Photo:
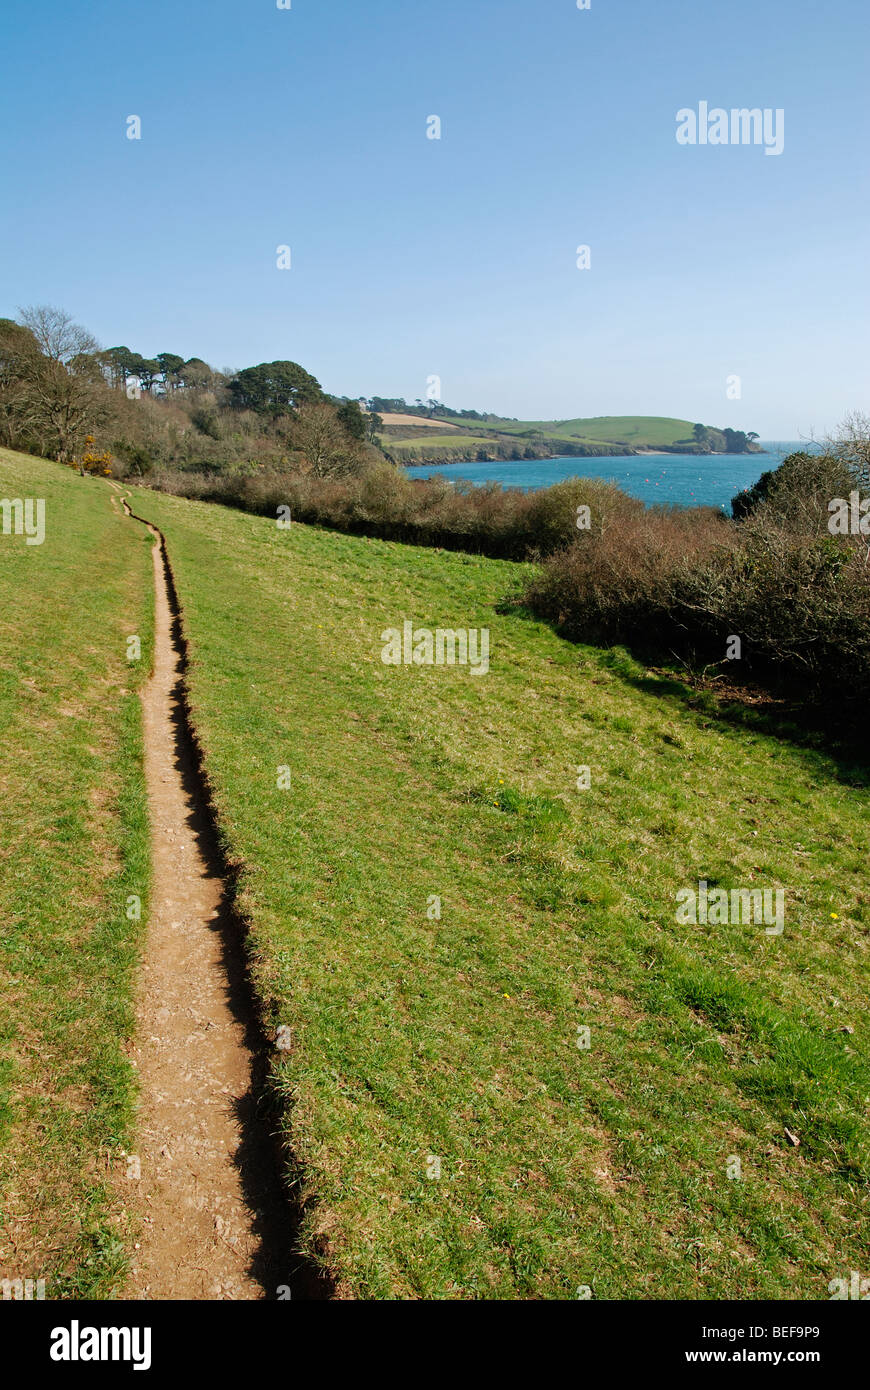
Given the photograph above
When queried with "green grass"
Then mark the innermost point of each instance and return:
(74, 846)
(432, 445)
(652, 431)
(456, 1038)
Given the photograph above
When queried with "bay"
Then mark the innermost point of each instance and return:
(709, 480)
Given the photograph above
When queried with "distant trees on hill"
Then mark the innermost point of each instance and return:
(397, 405)
(60, 393)
(167, 371)
(723, 441)
(57, 386)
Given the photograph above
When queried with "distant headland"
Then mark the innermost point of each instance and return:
(435, 434)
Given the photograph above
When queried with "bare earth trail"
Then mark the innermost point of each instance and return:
(215, 1222)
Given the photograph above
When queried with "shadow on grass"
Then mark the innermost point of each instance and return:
(808, 729)
(837, 734)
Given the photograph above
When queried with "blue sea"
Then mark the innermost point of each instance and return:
(709, 480)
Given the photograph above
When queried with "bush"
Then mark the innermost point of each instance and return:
(553, 512)
(684, 582)
(796, 495)
(383, 501)
(623, 582)
(206, 421)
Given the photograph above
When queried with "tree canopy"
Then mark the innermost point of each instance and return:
(274, 387)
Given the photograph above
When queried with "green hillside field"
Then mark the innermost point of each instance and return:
(513, 1073)
(73, 849)
(640, 431)
(451, 1133)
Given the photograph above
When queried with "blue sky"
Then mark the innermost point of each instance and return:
(457, 257)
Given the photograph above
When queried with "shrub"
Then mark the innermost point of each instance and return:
(622, 582)
(796, 495)
(381, 500)
(553, 511)
(206, 421)
(683, 582)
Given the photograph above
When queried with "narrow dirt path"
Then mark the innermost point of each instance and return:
(215, 1223)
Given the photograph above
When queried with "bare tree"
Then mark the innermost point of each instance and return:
(60, 338)
(851, 446)
(316, 433)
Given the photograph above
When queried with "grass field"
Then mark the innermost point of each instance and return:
(454, 1136)
(408, 448)
(640, 431)
(73, 847)
(394, 421)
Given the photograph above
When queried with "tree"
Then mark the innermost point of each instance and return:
(195, 375)
(274, 388)
(735, 441)
(16, 343)
(170, 364)
(59, 337)
(700, 433)
(54, 390)
(352, 420)
(17, 347)
(318, 435)
(147, 369)
(375, 424)
(121, 364)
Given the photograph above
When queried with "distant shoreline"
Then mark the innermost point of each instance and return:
(435, 462)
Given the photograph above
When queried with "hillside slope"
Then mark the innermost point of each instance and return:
(73, 848)
(437, 912)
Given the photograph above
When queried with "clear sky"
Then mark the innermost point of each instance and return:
(456, 257)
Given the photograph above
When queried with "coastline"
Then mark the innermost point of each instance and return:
(436, 461)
